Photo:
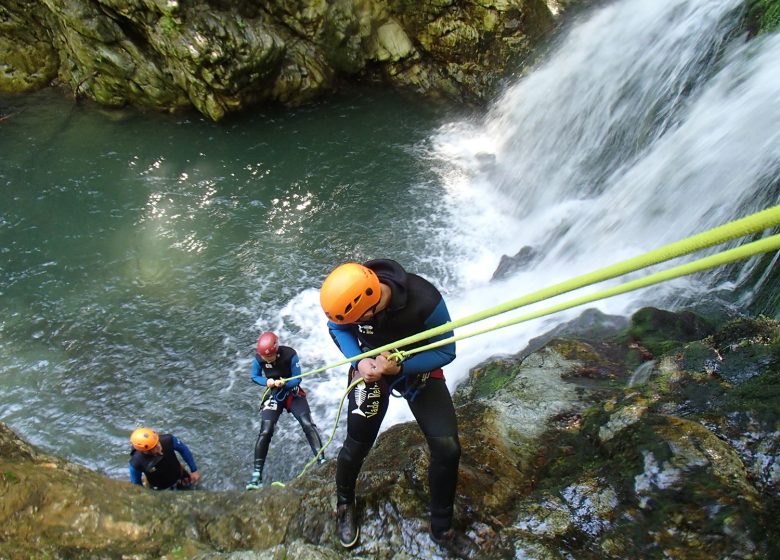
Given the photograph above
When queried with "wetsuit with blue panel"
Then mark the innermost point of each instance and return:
(165, 471)
(291, 397)
(415, 306)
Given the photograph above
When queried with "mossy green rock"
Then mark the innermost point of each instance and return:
(661, 331)
(554, 465)
(223, 56)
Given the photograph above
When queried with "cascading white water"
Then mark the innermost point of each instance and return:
(648, 122)
(166, 253)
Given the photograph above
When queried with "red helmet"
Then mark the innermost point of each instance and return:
(267, 344)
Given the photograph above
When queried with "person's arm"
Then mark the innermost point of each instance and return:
(295, 369)
(257, 373)
(186, 454)
(135, 475)
(435, 357)
(345, 339)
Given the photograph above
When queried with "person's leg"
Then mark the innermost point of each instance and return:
(269, 416)
(300, 409)
(435, 415)
(367, 408)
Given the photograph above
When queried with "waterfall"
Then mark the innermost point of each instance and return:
(646, 123)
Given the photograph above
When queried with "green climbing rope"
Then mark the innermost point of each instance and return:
(754, 223)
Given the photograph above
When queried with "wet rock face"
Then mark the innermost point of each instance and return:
(690, 455)
(224, 55)
(684, 464)
(28, 60)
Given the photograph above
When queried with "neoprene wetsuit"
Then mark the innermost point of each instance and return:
(291, 397)
(162, 471)
(415, 306)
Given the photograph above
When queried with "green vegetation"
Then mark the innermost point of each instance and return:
(662, 332)
(167, 25)
(760, 394)
(493, 377)
(763, 16)
(10, 476)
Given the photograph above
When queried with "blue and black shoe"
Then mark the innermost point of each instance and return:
(257, 481)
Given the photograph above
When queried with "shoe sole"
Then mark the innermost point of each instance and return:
(354, 541)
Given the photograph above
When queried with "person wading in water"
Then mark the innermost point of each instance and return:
(154, 456)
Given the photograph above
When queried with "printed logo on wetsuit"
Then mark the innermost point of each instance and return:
(366, 329)
(369, 397)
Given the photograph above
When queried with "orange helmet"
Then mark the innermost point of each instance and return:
(348, 292)
(144, 439)
(267, 344)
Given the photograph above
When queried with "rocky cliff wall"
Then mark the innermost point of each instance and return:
(221, 56)
(607, 444)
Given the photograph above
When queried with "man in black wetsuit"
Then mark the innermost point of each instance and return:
(154, 456)
(272, 365)
(369, 306)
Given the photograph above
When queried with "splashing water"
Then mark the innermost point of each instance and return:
(140, 302)
(649, 122)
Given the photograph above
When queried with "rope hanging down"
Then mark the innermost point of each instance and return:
(745, 226)
(755, 223)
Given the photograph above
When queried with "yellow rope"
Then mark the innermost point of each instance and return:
(725, 257)
(351, 386)
(754, 223)
(749, 225)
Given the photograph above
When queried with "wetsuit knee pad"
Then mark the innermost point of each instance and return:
(348, 466)
(445, 449)
(354, 451)
(306, 422)
(266, 428)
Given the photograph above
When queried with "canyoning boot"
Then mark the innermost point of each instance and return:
(455, 542)
(347, 527)
(257, 481)
(321, 459)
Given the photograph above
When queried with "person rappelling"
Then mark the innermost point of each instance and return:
(272, 368)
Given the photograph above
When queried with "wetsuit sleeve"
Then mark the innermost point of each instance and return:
(257, 373)
(345, 339)
(186, 454)
(295, 369)
(435, 357)
(135, 475)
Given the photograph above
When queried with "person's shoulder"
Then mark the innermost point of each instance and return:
(418, 283)
(387, 269)
(287, 353)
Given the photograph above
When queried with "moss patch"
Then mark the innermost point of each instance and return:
(763, 16)
(493, 377)
(662, 332)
